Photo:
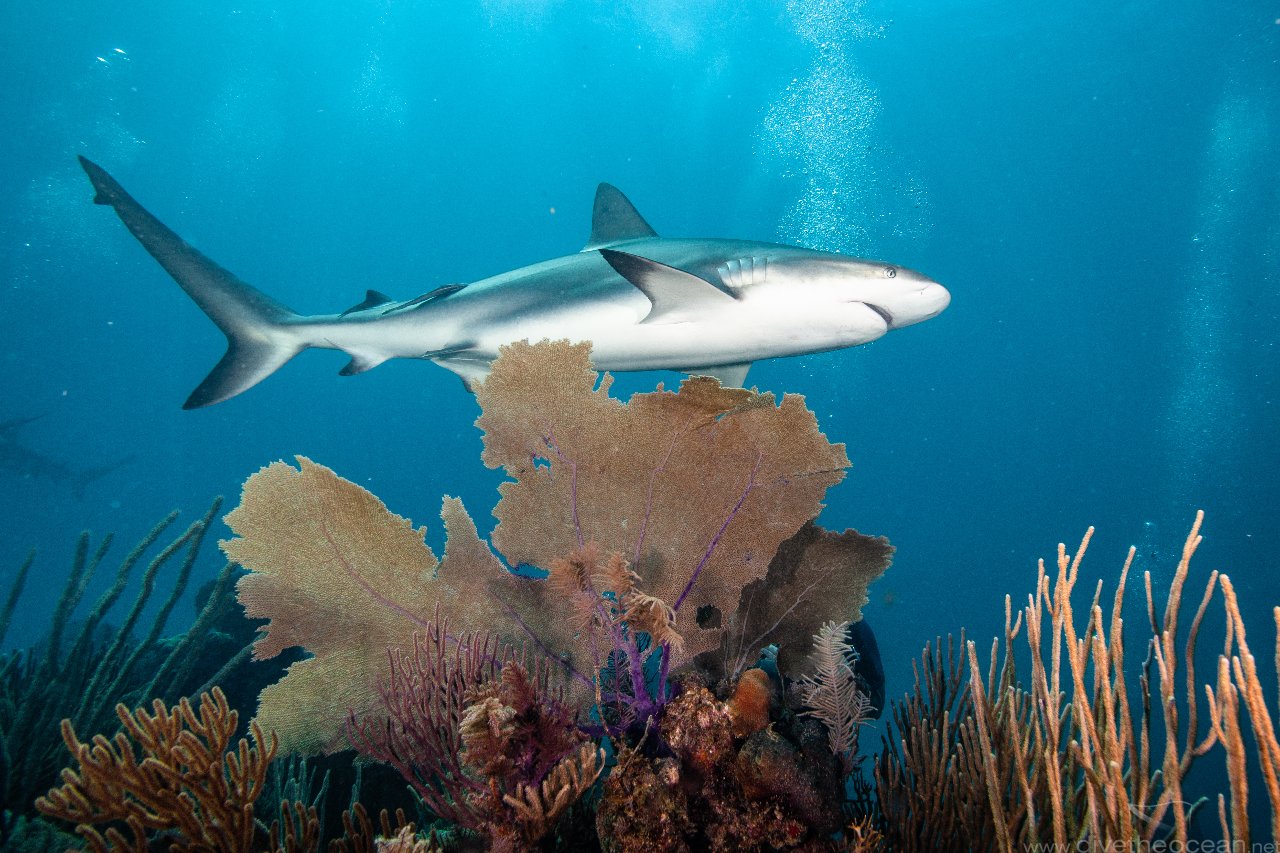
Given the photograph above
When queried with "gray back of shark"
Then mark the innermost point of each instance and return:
(706, 306)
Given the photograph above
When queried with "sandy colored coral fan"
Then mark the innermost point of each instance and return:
(338, 574)
(816, 576)
(685, 497)
(696, 489)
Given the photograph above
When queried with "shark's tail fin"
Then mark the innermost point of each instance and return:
(83, 479)
(261, 333)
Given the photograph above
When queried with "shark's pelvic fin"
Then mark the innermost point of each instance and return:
(677, 296)
(259, 339)
(615, 219)
(729, 375)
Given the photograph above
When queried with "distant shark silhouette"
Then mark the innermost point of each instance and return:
(18, 460)
(705, 306)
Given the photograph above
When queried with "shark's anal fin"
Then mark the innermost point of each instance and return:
(677, 296)
(614, 219)
(729, 375)
(372, 299)
(360, 362)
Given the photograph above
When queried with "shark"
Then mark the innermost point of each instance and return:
(707, 306)
(21, 462)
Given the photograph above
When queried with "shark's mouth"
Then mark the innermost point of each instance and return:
(883, 312)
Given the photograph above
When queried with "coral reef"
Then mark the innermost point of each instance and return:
(675, 533)
(656, 519)
(1083, 756)
(658, 653)
(712, 789)
(171, 770)
(83, 667)
(484, 741)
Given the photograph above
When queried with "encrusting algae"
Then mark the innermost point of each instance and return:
(670, 668)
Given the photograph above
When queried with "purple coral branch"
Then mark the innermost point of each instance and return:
(355, 575)
(648, 500)
(420, 696)
(715, 540)
(550, 440)
(745, 649)
(663, 670)
(542, 647)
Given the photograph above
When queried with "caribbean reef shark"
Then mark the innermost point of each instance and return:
(24, 463)
(705, 306)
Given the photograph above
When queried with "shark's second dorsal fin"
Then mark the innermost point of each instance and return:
(614, 219)
(372, 299)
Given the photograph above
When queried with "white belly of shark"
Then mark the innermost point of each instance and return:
(706, 306)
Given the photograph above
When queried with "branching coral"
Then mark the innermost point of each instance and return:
(927, 797)
(1238, 679)
(537, 807)
(170, 771)
(81, 674)
(1079, 756)
(361, 836)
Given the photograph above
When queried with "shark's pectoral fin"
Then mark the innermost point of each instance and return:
(677, 296)
(729, 375)
(372, 299)
(614, 219)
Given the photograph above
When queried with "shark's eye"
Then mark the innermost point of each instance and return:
(890, 272)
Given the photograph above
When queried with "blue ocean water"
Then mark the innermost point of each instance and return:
(1096, 184)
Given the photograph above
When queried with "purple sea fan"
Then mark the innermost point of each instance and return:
(480, 733)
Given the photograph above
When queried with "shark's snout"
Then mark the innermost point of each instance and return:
(908, 307)
(936, 295)
(919, 305)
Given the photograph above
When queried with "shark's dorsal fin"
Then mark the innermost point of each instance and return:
(372, 299)
(615, 219)
(677, 296)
